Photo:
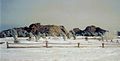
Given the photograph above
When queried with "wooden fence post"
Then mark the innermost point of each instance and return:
(46, 44)
(7, 45)
(78, 45)
(86, 38)
(103, 45)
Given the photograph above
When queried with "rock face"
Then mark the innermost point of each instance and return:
(35, 29)
(90, 31)
(77, 31)
(21, 32)
(48, 30)
(52, 30)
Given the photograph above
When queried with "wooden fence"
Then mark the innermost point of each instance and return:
(49, 45)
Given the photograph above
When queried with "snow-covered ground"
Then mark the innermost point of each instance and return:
(89, 53)
(60, 54)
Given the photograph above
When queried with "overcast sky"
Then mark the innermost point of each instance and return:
(70, 13)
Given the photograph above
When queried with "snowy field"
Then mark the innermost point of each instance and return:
(93, 51)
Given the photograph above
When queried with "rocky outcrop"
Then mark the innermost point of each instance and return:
(52, 30)
(77, 31)
(48, 30)
(35, 29)
(21, 32)
(90, 31)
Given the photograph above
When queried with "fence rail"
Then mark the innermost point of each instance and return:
(48, 45)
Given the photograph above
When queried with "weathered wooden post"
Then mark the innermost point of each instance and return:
(7, 45)
(78, 44)
(103, 45)
(86, 38)
(46, 44)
